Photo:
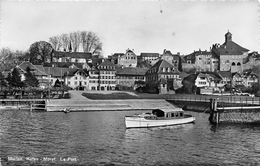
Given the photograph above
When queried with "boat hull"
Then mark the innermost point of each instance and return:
(141, 122)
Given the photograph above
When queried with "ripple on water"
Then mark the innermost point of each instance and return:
(100, 138)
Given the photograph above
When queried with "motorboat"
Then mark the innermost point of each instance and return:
(159, 117)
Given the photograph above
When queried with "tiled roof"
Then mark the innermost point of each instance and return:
(58, 71)
(96, 61)
(66, 64)
(85, 55)
(231, 48)
(225, 74)
(149, 54)
(131, 71)
(161, 64)
(215, 76)
(143, 64)
(38, 69)
(128, 50)
(183, 75)
(116, 55)
(106, 63)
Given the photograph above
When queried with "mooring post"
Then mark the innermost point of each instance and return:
(214, 113)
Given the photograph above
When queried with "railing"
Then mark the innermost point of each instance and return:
(221, 99)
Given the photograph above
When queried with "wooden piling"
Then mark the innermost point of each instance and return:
(214, 113)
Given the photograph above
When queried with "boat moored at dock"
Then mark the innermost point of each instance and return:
(159, 117)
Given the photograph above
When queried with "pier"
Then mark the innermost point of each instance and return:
(241, 114)
(22, 104)
(106, 105)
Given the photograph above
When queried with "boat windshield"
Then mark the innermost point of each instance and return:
(158, 113)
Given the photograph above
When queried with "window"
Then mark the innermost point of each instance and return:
(75, 82)
(76, 78)
(172, 114)
(68, 82)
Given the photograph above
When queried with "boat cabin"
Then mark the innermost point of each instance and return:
(168, 113)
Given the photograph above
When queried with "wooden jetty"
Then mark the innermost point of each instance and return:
(242, 114)
(30, 104)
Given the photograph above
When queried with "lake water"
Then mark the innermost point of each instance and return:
(100, 138)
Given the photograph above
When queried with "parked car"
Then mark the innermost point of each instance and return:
(245, 94)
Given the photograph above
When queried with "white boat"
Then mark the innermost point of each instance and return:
(159, 117)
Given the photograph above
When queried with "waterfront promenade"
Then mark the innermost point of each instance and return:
(81, 103)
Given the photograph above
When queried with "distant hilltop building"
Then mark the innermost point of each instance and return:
(230, 54)
(129, 59)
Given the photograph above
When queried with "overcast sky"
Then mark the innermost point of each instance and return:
(145, 26)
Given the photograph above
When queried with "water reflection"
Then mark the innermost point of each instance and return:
(101, 138)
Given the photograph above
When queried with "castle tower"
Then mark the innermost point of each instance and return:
(228, 36)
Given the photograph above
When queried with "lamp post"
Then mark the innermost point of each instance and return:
(49, 84)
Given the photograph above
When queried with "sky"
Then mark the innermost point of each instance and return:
(143, 26)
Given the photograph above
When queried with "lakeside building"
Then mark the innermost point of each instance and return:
(159, 73)
(127, 76)
(77, 79)
(107, 78)
(208, 80)
(231, 55)
(37, 70)
(246, 78)
(226, 77)
(57, 73)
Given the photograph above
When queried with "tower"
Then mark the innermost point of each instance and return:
(228, 36)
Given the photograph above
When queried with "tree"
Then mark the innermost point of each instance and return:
(2, 80)
(180, 65)
(39, 51)
(189, 84)
(9, 80)
(55, 42)
(75, 39)
(16, 79)
(91, 42)
(64, 40)
(30, 79)
(57, 83)
(9, 59)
